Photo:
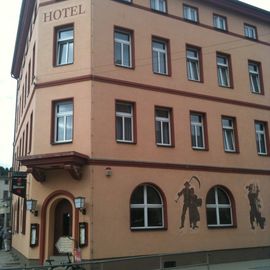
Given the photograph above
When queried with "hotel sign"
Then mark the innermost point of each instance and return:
(63, 13)
(18, 184)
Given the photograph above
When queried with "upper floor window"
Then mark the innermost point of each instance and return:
(229, 134)
(159, 5)
(262, 137)
(190, 13)
(163, 126)
(223, 69)
(198, 129)
(64, 46)
(160, 56)
(250, 31)
(254, 70)
(123, 48)
(219, 208)
(63, 121)
(146, 208)
(220, 22)
(124, 122)
(193, 63)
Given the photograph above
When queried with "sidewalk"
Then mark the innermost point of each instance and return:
(10, 260)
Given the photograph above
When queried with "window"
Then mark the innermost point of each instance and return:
(63, 130)
(159, 5)
(198, 130)
(218, 208)
(250, 31)
(124, 122)
(146, 208)
(190, 13)
(193, 63)
(261, 137)
(122, 48)
(160, 56)
(254, 70)
(65, 40)
(229, 134)
(220, 22)
(163, 126)
(223, 69)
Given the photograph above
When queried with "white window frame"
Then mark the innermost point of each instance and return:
(219, 206)
(159, 5)
(254, 75)
(64, 115)
(220, 22)
(258, 138)
(160, 52)
(190, 13)
(122, 43)
(226, 68)
(146, 206)
(163, 120)
(124, 116)
(196, 60)
(229, 130)
(198, 125)
(66, 41)
(250, 31)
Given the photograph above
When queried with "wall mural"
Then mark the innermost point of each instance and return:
(191, 202)
(255, 205)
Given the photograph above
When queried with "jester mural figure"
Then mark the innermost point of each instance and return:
(191, 202)
(255, 205)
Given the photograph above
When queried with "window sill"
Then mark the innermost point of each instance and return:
(191, 21)
(221, 227)
(62, 65)
(60, 143)
(126, 67)
(263, 155)
(148, 229)
(200, 149)
(221, 30)
(232, 152)
(165, 145)
(196, 81)
(162, 74)
(126, 142)
(159, 11)
(257, 93)
(227, 87)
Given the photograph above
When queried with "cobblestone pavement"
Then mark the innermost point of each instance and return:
(8, 260)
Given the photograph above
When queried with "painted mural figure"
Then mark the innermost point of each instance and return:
(255, 205)
(191, 202)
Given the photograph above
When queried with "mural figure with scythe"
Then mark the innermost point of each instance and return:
(191, 202)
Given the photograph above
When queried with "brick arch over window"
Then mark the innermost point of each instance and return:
(141, 208)
(43, 221)
(220, 208)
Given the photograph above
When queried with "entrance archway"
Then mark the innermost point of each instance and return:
(57, 199)
(62, 221)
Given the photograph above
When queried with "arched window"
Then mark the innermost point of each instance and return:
(146, 208)
(219, 208)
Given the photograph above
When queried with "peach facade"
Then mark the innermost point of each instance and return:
(93, 84)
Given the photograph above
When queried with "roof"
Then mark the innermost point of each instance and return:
(28, 6)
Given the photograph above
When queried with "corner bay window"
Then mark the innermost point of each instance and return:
(254, 77)
(63, 122)
(261, 137)
(146, 208)
(163, 126)
(124, 122)
(122, 48)
(160, 56)
(218, 208)
(197, 130)
(64, 47)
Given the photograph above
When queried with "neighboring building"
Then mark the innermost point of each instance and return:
(157, 112)
(5, 201)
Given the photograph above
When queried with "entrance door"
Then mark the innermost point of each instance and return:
(62, 221)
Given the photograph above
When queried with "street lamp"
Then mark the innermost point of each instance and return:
(31, 205)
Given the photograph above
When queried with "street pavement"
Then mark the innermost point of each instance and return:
(11, 260)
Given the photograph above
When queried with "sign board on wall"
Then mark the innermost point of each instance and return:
(18, 184)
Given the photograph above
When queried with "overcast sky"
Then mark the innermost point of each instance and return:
(9, 17)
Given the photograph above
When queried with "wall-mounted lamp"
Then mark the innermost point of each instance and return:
(31, 205)
(108, 171)
(80, 204)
